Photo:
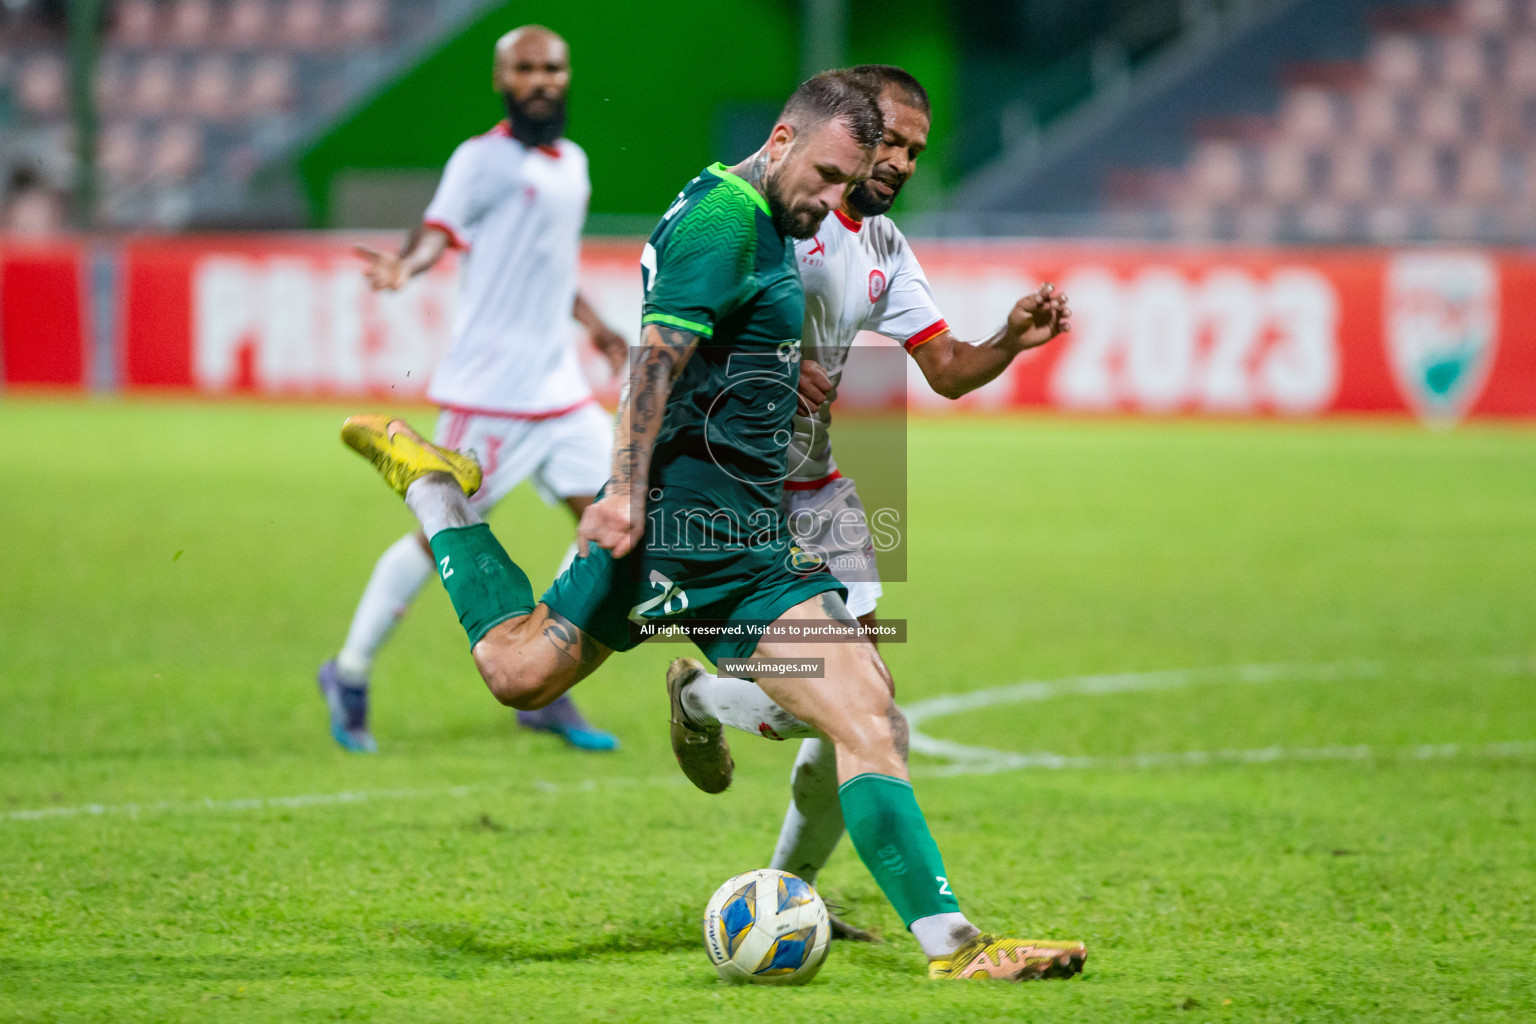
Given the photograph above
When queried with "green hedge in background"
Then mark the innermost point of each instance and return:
(659, 90)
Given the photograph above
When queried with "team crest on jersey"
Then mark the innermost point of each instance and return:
(876, 285)
(804, 562)
(1442, 330)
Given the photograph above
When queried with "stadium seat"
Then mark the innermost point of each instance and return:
(1257, 223)
(1353, 174)
(118, 151)
(1456, 220)
(1464, 61)
(1520, 63)
(1376, 115)
(248, 23)
(42, 86)
(1416, 174)
(1218, 173)
(1480, 175)
(1309, 114)
(210, 93)
(1286, 174)
(361, 21)
(270, 85)
(153, 92)
(1431, 132)
(306, 25)
(1398, 60)
(191, 23)
(1441, 115)
(1388, 225)
(177, 151)
(112, 81)
(134, 23)
(1323, 221)
(1487, 16)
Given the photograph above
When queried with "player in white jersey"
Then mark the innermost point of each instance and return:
(511, 389)
(859, 275)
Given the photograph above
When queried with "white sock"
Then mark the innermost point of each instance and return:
(397, 579)
(740, 704)
(438, 504)
(813, 824)
(942, 934)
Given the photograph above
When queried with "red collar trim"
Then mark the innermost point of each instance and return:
(504, 129)
(848, 222)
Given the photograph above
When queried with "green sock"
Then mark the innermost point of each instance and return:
(486, 587)
(889, 831)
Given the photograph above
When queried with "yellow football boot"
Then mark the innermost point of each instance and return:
(701, 750)
(402, 456)
(987, 956)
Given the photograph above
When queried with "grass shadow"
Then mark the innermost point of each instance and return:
(462, 939)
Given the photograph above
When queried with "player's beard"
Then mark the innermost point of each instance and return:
(536, 131)
(866, 202)
(796, 222)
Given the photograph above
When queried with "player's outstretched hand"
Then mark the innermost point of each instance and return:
(1040, 316)
(385, 270)
(611, 522)
(613, 347)
(815, 385)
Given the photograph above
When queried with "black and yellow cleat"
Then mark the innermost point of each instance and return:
(701, 750)
(988, 956)
(402, 456)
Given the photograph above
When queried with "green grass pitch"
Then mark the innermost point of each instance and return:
(172, 574)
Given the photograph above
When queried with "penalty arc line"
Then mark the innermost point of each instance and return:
(972, 760)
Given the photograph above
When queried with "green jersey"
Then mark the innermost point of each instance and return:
(716, 558)
(718, 267)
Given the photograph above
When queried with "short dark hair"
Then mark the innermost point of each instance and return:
(837, 96)
(882, 75)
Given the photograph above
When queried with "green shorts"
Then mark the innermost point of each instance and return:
(728, 596)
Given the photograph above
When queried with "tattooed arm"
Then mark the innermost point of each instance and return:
(617, 521)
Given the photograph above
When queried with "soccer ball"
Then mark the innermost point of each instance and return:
(766, 927)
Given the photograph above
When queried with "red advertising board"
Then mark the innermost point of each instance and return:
(43, 313)
(1438, 333)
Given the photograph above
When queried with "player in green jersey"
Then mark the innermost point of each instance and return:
(688, 530)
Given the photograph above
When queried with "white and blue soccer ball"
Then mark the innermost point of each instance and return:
(766, 927)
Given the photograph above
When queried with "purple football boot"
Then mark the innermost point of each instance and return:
(348, 705)
(564, 720)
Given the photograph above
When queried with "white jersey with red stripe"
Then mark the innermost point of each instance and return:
(858, 276)
(517, 212)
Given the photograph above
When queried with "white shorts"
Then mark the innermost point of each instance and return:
(565, 456)
(830, 521)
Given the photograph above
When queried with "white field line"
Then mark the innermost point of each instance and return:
(969, 760)
(265, 803)
(965, 760)
(1007, 762)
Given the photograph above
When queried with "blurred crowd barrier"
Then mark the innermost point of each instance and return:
(1436, 333)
